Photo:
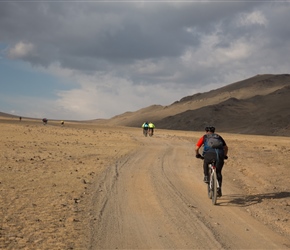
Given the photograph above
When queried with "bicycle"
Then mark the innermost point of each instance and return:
(150, 132)
(213, 184)
(145, 132)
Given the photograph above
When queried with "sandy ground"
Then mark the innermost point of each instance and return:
(86, 186)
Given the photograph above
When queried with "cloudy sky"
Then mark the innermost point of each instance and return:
(96, 59)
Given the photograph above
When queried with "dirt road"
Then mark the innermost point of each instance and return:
(155, 199)
(83, 186)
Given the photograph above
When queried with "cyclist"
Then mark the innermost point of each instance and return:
(151, 128)
(209, 154)
(145, 127)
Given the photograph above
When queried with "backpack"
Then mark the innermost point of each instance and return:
(213, 141)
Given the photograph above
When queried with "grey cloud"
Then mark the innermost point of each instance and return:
(112, 31)
(113, 36)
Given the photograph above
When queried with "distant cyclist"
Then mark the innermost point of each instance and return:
(145, 127)
(151, 128)
(217, 153)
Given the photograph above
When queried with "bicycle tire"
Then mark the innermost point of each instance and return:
(214, 188)
(209, 185)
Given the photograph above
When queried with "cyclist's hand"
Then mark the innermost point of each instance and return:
(226, 157)
(198, 156)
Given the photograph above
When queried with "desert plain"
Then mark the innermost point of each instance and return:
(90, 186)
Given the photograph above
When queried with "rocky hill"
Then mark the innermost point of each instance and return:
(258, 105)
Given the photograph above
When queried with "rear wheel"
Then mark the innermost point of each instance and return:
(214, 188)
(209, 190)
(209, 185)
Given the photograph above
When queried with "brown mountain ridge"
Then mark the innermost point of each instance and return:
(258, 105)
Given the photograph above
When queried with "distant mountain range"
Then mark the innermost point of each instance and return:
(258, 105)
(7, 115)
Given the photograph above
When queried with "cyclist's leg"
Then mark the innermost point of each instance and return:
(219, 167)
(219, 178)
(205, 169)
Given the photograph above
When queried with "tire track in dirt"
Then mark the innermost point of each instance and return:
(157, 201)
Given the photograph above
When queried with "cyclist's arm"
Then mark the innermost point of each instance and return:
(226, 149)
(198, 145)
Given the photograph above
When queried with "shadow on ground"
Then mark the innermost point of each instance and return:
(248, 200)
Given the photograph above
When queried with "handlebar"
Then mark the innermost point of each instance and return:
(199, 157)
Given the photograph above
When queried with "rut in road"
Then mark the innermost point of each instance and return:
(153, 200)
